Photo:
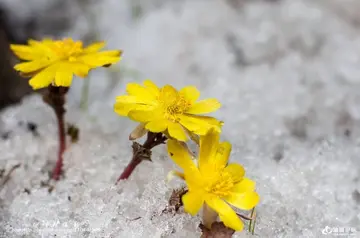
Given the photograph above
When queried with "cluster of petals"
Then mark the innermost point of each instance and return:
(177, 114)
(55, 62)
(213, 181)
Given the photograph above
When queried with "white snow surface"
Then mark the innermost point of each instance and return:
(287, 73)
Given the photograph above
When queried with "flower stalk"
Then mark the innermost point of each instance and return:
(142, 152)
(209, 216)
(55, 98)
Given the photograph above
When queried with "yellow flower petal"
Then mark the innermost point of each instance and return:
(123, 109)
(192, 202)
(244, 201)
(226, 213)
(144, 116)
(33, 42)
(101, 58)
(236, 172)
(222, 154)
(180, 156)
(151, 87)
(80, 70)
(196, 126)
(200, 124)
(140, 92)
(32, 66)
(190, 93)
(157, 126)
(168, 93)
(124, 104)
(204, 106)
(134, 100)
(43, 78)
(63, 75)
(25, 52)
(245, 185)
(94, 47)
(176, 131)
(208, 147)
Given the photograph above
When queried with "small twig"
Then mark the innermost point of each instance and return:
(8, 175)
(134, 219)
(244, 217)
(252, 220)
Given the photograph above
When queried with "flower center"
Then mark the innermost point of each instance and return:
(220, 185)
(67, 49)
(173, 105)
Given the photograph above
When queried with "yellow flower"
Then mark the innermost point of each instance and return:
(55, 62)
(167, 110)
(213, 181)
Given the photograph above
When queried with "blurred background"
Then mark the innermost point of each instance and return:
(310, 48)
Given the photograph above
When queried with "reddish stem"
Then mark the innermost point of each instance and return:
(62, 145)
(55, 97)
(142, 152)
(129, 169)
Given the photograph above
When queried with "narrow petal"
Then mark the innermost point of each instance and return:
(144, 116)
(63, 75)
(25, 52)
(151, 87)
(245, 185)
(101, 58)
(195, 126)
(43, 48)
(200, 124)
(157, 126)
(192, 202)
(133, 99)
(44, 78)
(123, 109)
(32, 66)
(125, 103)
(208, 147)
(236, 172)
(168, 93)
(140, 92)
(180, 156)
(94, 47)
(222, 154)
(80, 70)
(190, 93)
(176, 131)
(226, 213)
(204, 106)
(244, 201)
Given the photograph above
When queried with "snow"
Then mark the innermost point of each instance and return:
(287, 74)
